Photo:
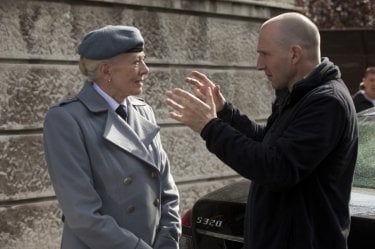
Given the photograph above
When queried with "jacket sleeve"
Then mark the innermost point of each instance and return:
(231, 115)
(70, 172)
(295, 153)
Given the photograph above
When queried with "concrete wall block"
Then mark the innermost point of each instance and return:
(189, 158)
(34, 225)
(22, 169)
(188, 39)
(173, 38)
(190, 193)
(286, 3)
(34, 29)
(253, 93)
(238, 8)
(232, 42)
(26, 92)
(49, 30)
(88, 17)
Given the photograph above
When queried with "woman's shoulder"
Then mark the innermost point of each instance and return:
(65, 101)
(67, 105)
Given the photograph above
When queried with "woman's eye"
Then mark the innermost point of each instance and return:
(137, 62)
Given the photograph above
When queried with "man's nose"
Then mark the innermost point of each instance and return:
(260, 64)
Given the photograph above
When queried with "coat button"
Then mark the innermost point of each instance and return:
(156, 202)
(130, 209)
(128, 180)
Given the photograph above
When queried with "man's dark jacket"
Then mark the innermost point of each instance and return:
(361, 102)
(301, 163)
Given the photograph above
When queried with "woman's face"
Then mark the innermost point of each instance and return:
(125, 74)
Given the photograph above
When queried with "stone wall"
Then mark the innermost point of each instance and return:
(38, 67)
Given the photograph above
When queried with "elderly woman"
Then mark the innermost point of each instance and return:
(105, 159)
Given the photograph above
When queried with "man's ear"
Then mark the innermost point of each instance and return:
(295, 53)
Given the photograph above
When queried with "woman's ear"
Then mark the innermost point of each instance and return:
(104, 71)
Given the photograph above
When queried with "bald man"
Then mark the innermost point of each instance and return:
(301, 162)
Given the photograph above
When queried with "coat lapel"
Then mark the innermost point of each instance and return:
(134, 137)
(119, 133)
(145, 129)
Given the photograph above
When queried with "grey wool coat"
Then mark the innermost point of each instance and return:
(112, 179)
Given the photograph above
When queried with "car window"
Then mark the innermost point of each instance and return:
(364, 175)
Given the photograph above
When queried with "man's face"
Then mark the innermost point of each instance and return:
(273, 59)
(369, 84)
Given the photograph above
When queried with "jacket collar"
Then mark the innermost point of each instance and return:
(322, 74)
(135, 136)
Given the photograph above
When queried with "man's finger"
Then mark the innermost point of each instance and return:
(210, 100)
(183, 97)
(182, 101)
(199, 94)
(202, 78)
(176, 116)
(174, 105)
(194, 82)
(175, 96)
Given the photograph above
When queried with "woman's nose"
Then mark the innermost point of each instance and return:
(145, 68)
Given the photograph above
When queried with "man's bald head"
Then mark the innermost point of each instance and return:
(295, 29)
(288, 49)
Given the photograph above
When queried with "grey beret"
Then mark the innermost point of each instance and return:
(109, 41)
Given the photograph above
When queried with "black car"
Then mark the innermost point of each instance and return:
(216, 220)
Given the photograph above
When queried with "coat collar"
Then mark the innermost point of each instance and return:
(321, 75)
(135, 136)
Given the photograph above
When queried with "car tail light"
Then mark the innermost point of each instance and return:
(186, 240)
(186, 218)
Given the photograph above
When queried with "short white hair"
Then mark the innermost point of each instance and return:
(89, 68)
